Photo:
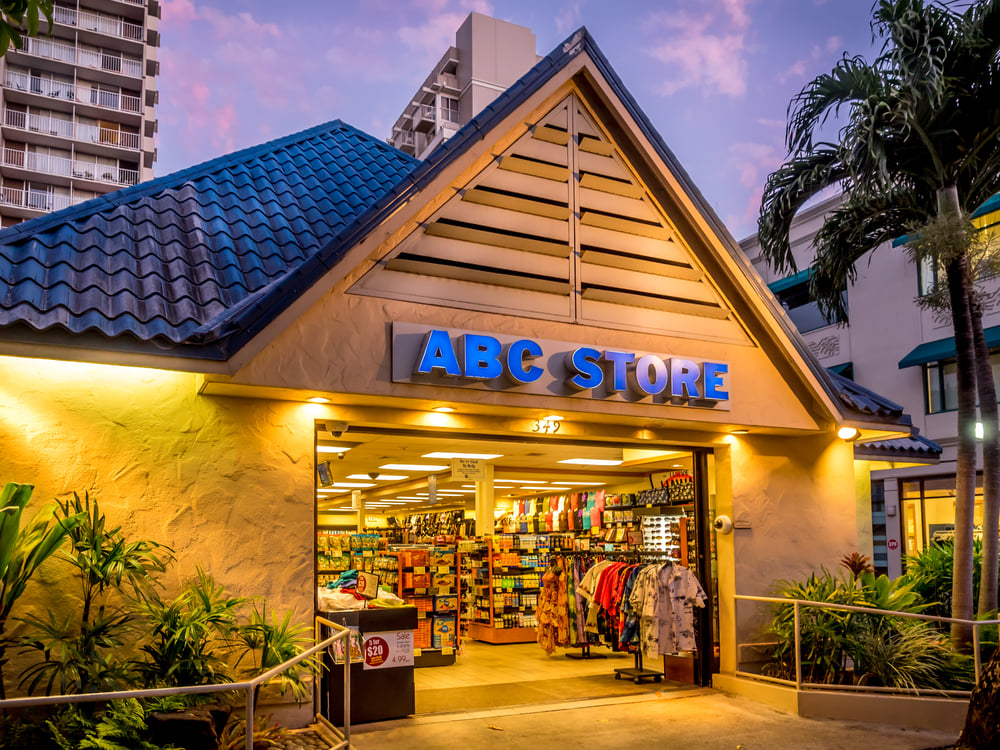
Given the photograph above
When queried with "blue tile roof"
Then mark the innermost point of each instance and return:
(169, 264)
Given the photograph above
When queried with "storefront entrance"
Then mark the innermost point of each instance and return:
(472, 555)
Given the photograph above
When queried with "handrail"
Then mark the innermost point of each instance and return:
(224, 687)
(799, 603)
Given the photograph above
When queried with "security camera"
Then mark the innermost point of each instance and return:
(373, 475)
(336, 428)
(341, 456)
(723, 524)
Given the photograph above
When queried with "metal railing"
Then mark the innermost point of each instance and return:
(247, 686)
(81, 94)
(90, 58)
(100, 23)
(36, 200)
(799, 684)
(36, 123)
(58, 165)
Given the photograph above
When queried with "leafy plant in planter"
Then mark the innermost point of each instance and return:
(86, 655)
(822, 631)
(190, 635)
(22, 550)
(930, 573)
(267, 644)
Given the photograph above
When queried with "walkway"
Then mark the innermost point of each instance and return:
(701, 719)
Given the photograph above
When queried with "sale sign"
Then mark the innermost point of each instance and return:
(389, 649)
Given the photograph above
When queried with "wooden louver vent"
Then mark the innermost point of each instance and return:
(558, 227)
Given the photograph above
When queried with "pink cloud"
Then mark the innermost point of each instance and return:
(703, 48)
(178, 12)
(753, 162)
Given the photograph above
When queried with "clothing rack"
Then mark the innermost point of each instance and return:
(638, 673)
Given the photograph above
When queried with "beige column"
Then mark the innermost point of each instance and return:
(485, 503)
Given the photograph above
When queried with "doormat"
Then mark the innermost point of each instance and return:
(450, 700)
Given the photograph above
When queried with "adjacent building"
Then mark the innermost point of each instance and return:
(898, 347)
(79, 107)
(488, 56)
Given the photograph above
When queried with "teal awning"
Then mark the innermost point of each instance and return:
(844, 369)
(789, 281)
(991, 205)
(935, 351)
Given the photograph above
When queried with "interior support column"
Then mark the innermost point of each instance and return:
(485, 503)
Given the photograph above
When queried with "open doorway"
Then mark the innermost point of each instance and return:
(408, 507)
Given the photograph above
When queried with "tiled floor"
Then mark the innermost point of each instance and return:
(485, 664)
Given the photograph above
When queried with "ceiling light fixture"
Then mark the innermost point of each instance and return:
(592, 462)
(449, 454)
(848, 433)
(318, 400)
(739, 432)
(378, 477)
(444, 409)
(578, 484)
(352, 485)
(414, 467)
(332, 448)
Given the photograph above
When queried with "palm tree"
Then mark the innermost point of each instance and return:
(921, 144)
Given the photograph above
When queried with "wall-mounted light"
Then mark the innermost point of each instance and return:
(739, 432)
(848, 433)
(318, 400)
(444, 409)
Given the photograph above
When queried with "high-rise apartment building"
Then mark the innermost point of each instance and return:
(488, 56)
(78, 107)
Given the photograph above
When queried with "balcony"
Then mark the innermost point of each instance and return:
(75, 93)
(35, 200)
(102, 24)
(72, 54)
(424, 118)
(58, 165)
(70, 129)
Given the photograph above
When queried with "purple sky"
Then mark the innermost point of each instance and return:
(714, 76)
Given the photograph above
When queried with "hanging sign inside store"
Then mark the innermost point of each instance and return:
(457, 358)
(468, 470)
(389, 649)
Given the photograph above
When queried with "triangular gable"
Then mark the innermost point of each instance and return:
(560, 227)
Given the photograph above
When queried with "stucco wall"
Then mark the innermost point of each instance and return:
(798, 495)
(349, 352)
(226, 482)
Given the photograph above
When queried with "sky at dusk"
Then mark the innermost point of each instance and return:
(713, 76)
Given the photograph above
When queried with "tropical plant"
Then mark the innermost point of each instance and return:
(122, 726)
(930, 572)
(87, 654)
(22, 550)
(857, 563)
(840, 646)
(919, 141)
(267, 644)
(16, 16)
(265, 733)
(190, 635)
(821, 630)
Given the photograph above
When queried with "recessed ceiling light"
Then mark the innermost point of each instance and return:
(592, 462)
(578, 484)
(552, 418)
(318, 400)
(739, 432)
(524, 481)
(379, 477)
(332, 448)
(411, 497)
(353, 485)
(448, 454)
(413, 467)
(323, 491)
(444, 409)
(677, 466)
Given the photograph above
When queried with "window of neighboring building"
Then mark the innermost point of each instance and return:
(928, 511)
(941, 383)
(927, 276)
(449, 109)
(801, 308)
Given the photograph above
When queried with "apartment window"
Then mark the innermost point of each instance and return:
(929, 275)
(801, 308)
(941, 383)
(449, 109)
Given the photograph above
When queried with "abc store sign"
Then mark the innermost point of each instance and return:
(470, 359)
